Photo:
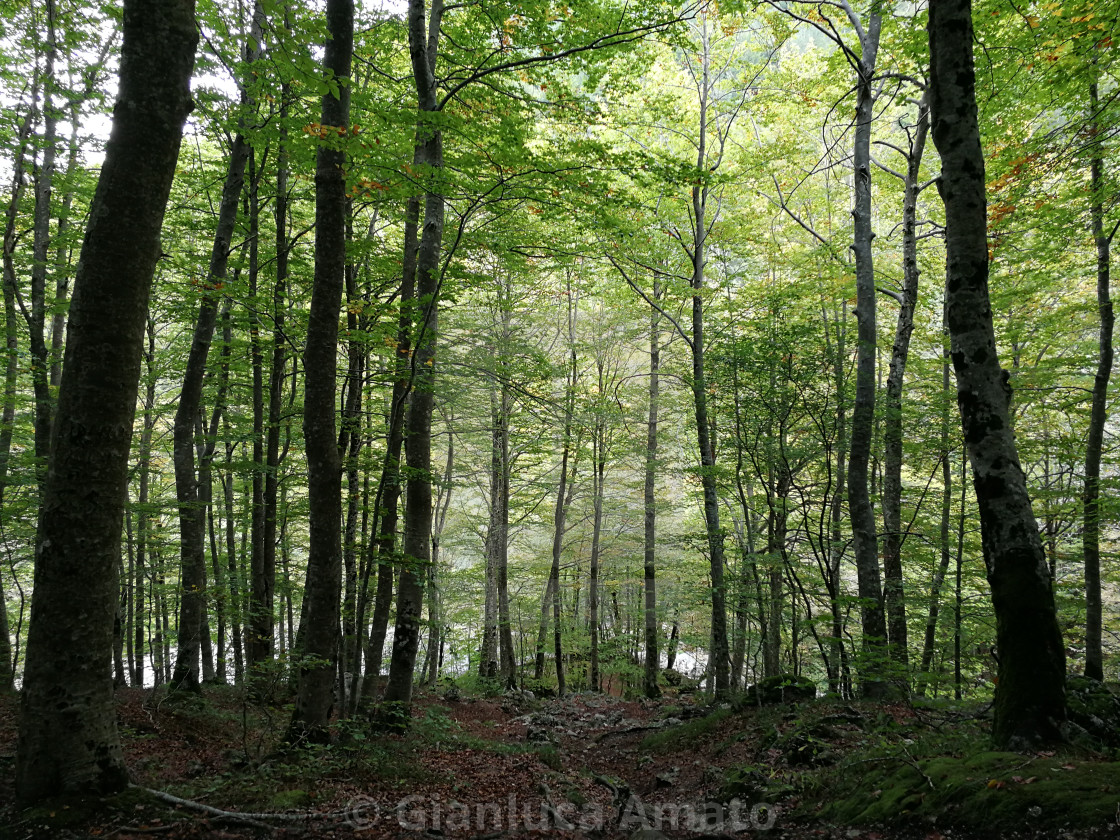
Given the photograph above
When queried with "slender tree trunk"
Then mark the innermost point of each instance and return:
(720, 656)
(506, 656)
(1094, 659)
(259, 647)
(561, 510)
(597, 483)
(418, 437)
(488, 652)
(67, 731)
(234, 573)
(650, 623)
(41, 242)
(387, 498)
(893, 585)
(192, 522)
(262, 586)
(1030, 705)
(930, 640)
(435, 619)
(863, 412)
(319, 625)
(542, 630)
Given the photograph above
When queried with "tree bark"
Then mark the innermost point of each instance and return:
(720, 656)
(1030, 706)
(874, 628)
(649, 501)
(930, 639)
(893, 585)
(319, 629)
(418, 436)
(192, 521)
(1094, 658)
(68, 737)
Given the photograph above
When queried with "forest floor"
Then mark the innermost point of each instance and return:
(584, 765)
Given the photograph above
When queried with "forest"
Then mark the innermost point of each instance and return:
(553, 360)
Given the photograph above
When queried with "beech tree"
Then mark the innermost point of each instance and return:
(318, 653)
(68, 733)
(1030, 704)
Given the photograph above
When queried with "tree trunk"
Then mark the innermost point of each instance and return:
(893, 586)
(318, 651)
(930, 640)
(67, 732)
(1030, 706)
(649, 502)
(435, 619)
(192, 522)
(387, 499)
(262, 585)
(418, 436)
(720, 656)
(863, 411)
(1094, 660)
(41, 240)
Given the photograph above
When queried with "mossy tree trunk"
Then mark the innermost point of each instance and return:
(1030, 704)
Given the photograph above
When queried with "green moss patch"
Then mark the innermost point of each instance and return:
(684, 735)
(990, 790)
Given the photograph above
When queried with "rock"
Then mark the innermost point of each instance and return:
(746, 783)
(668, 778)
(540, 735)
(1094, 708)
(780, 688)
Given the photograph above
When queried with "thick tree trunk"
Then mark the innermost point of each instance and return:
(318, 652)
(67, 733)
(1094, 659)
(1030, 706)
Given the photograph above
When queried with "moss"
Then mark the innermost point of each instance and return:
(980, 791)
(674, 737)
(286, 800)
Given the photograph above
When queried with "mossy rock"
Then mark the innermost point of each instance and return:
(780, 688)
(976, 792)
(1094, 708)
